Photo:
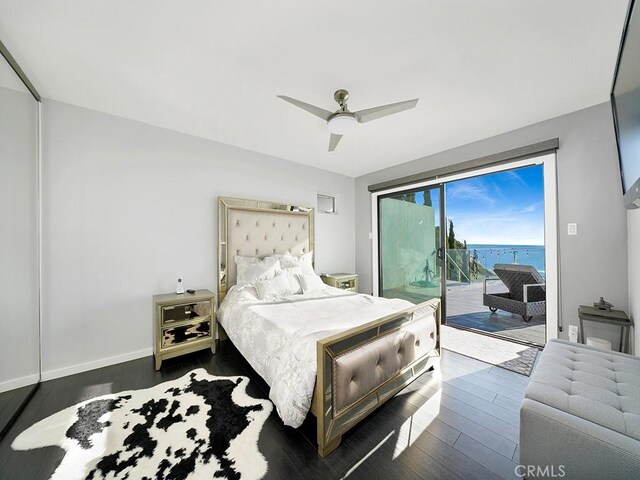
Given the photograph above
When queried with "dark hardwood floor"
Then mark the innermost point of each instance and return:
(459, 422)
(12, 402)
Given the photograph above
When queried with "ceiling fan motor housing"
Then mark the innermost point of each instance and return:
(341, 96)
(341, 123)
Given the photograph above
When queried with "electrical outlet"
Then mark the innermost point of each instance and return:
(573, 333)
(572, 228)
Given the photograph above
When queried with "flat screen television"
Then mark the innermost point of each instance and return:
(625, 102)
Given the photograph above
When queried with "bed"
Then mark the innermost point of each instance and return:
(336, 354)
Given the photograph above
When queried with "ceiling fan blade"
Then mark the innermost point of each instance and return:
(317, 111)
(333, 141)
(384, 110)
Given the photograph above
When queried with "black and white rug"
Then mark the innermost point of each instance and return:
(196, 427)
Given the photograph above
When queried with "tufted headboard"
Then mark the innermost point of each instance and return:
(254, 228)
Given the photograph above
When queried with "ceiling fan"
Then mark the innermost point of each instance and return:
(342, 120)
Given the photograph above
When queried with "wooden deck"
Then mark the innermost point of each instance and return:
(465, 309)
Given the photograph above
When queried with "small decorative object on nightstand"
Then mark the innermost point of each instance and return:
(603, 305)
(344, 281)
(183, 324)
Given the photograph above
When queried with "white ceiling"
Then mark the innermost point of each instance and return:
(213, 68)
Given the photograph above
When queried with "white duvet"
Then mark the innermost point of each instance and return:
(279, 338)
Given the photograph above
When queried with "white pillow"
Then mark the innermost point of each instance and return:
(295, 283)
(304, 262)
(311, 283)
(282, 285)
(252, 269)
(292, 270)
(287, 267)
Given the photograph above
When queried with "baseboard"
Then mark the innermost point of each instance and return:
(19, 382)
(103, 362)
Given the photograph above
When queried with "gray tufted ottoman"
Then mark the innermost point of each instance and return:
(581, 415)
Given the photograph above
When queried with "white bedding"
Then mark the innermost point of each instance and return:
(279, 338)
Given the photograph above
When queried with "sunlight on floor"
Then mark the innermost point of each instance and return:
(417, 423)
(482, 347)
(373, 450)
(453, 372)
(92, 391)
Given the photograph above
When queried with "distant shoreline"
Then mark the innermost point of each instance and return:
(490, 254)
(503, 245)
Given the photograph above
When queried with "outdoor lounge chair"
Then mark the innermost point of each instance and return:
(526, 295)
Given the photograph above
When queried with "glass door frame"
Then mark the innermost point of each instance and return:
(441, 252)
(552, 253)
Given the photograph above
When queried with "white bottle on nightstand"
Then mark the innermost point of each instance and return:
(179, 287)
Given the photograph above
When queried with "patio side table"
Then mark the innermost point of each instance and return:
(611, 317)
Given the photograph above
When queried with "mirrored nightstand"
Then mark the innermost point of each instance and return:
(343, 281)
(183, 324)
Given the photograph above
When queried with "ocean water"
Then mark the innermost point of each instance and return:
(489, 255)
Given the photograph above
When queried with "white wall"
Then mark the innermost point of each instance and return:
(19, 328)
(128, 208)
(633, 223)
(592, 264)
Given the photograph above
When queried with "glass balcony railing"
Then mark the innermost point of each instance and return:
(474, 264)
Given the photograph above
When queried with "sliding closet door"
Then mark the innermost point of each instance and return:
(19, 284)
(410, 249)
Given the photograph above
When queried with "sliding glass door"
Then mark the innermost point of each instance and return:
(486, 246)
(410, 244)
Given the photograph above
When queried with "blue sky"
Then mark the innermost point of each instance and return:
(504, 208)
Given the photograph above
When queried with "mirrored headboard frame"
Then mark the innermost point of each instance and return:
(257, 209)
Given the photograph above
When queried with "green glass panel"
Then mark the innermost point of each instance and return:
(409, 244)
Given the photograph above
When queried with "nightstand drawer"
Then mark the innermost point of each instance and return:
(349, 284)
(343, 281)
(188, 311)
(185, 333)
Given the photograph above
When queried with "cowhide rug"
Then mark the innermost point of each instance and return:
(196, 427)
